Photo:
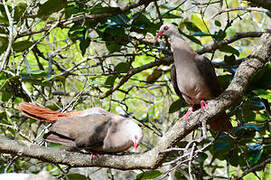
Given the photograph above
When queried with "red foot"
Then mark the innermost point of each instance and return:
(189, 111)
(203, 104)
(95, 153)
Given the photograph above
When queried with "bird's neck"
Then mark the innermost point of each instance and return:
(178, 43)
(182, 48)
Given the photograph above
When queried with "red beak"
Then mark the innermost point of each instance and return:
(136, 146)
(158, 35)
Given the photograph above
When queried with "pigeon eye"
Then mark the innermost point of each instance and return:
(166, 28)
(136, 137)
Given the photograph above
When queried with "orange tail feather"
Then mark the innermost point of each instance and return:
(42, 114)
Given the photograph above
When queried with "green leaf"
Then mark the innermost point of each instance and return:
(217, 23)
(76, 176)
(224, 80)
(201, 34)
(220, 148)
(220, 35)
(163, 6)
(77, 32)
(154, 76)
(6, 96)
(99, 9)
(35, 73)
(169, 15)
(191, 26)
(179, 176)
(266, 94)
(84, 44)
(112, 46)
(141, 24)
(201, 157)
(110, 80)
(3, 15)
(230, 59)
(229, 49)
(122, 67)
(176, 105)
(262, 79)
(192, 38)
(120, 19)
(22, 45)
(50, 7)
(148, 175)
(3, 45)
(114, 35)
(19, 10)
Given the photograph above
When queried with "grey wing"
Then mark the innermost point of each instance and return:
(173, 78)
(88, 131)
(208, 72)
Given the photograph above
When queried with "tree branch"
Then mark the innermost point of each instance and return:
(153, 158)
(66, 22)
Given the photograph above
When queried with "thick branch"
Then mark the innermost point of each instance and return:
(153, 158)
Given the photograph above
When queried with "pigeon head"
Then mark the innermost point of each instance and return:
(166, 30)
(135, 133)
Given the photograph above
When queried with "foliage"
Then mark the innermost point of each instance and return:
(72, 55)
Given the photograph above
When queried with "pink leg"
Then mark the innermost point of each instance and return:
(96, 154)
(188, 112)
(203, 104)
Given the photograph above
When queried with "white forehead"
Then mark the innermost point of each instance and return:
(134, 129)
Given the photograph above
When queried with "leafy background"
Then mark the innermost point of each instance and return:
(70, 55)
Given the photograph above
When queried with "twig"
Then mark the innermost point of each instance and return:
(64, 23)
(242, 9)
(254, 168)
(11, 38)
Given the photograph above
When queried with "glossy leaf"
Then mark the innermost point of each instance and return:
(20, 9)
(99, 9)
(169, 15)
(220, 35)
(21, 45)
(179, 176)
(3, 15)
(148, 175)
(3, 44)
(230, 59)
(110, 80)
(77, 32)
(50, 7)
(262, 79)
(141, 24)
(122, 67)
(191, 27)
(229, 49)
(84, 44)
(176, 105)
(217, 23)
(154, 76)
(76, 176)
(266, 94)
